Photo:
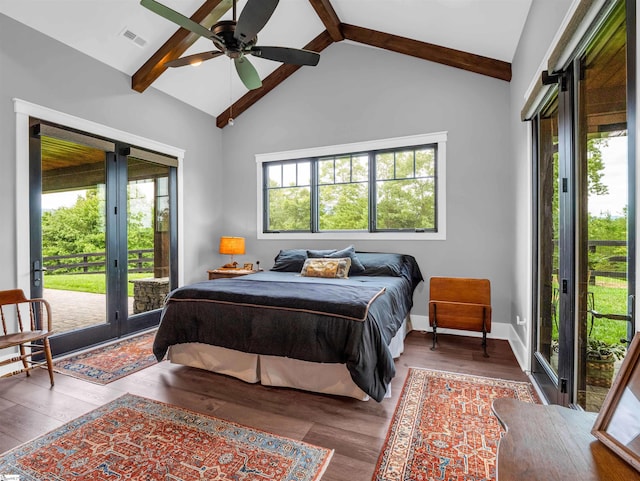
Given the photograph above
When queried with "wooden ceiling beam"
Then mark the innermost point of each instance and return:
(207, 15)
(427, 51)
(279, 75)
(329, 18)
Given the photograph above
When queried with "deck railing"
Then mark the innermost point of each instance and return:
(140, 260)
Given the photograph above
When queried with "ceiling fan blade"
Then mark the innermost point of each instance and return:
(253, 18)
(247, 73)
(294, 56)
(178, 18)
(193, 59)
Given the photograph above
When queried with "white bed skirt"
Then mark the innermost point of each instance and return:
(327, 378)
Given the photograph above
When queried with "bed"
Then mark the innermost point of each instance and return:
(294, 327)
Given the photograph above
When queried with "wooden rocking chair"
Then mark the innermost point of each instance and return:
(460, 303)
(30, 336)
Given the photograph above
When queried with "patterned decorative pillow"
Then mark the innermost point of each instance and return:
(333, 268)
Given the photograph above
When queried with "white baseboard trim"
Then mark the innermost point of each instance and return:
(499, 330)
(520, 350)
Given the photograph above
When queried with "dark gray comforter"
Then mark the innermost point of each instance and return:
(349, 321)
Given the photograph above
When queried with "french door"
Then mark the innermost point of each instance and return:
(103, 234)
(584, 185)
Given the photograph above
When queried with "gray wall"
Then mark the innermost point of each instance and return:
(37, 69)
(358, 93)
(545, 17)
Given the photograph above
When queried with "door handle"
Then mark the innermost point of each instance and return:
(37, 269)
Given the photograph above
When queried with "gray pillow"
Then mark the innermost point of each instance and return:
(381, 264)
(350, 252)
(290, 260)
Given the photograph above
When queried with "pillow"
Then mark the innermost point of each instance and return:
(334, 268)
(350, 252)
(381, 264)
(290, 260)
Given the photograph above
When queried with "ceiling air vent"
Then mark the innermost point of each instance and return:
(128, 34)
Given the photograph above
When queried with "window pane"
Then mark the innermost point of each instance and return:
(326, 171)
(343, 169)
(406, 204)
(425, 163)
(384, 166)
(360, 168)
(343, 207)
(289, 209)
(289, 177)
(275, 175)
(404, 164)
(304, 173)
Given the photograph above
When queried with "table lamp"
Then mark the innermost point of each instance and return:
(231, 246)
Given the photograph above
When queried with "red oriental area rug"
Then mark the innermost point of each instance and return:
(443, 427)
(109, 363)
(139, 439)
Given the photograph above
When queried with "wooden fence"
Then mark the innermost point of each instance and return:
(610, 255)
(140, 260)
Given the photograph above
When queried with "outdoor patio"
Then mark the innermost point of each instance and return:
(74, 310)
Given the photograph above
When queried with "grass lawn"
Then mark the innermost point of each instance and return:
(94, 283)
(607, 300)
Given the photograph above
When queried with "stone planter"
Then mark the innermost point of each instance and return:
(600, 372)
(149, 294)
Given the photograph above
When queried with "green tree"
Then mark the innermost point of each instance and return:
(76, 229)
(81, 228)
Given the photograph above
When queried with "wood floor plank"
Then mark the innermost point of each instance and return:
(24, 424)
(354, 429)
(346, 468)
(345, 442)
(8, 442)
(272, 423)
(45, 401)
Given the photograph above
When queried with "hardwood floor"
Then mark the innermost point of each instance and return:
(354, 429)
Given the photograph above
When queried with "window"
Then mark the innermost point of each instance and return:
(392, 188)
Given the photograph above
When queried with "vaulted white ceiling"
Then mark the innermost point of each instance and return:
(490, 28)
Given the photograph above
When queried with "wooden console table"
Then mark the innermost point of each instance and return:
(553, 443)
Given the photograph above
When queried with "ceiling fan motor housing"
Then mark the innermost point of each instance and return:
(232, 47)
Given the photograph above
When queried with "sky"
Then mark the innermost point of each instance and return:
(615, 178)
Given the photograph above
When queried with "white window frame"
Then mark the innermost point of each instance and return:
(439, 138)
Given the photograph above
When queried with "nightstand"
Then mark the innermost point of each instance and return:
(228, 273)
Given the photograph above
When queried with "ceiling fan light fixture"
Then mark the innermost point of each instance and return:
(197, 63)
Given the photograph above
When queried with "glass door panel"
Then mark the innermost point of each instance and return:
(148, 235)
(73, 224)
(603, 208)
(547, 336)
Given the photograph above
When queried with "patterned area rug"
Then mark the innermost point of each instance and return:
(109, 363)
(139, 439)
(443, 427)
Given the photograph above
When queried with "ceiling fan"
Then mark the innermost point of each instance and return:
(236, 39)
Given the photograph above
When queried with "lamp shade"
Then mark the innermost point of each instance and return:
(232, 245)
